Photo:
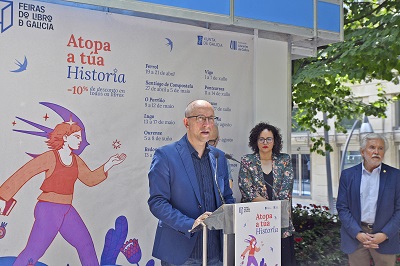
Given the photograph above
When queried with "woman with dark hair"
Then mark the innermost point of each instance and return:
(267, 174)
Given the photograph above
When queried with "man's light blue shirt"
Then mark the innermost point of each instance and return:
(369, 190)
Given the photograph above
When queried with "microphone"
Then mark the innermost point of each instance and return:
(216, 155)
(229, 157)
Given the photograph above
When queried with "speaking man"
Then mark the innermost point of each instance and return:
(188, 181)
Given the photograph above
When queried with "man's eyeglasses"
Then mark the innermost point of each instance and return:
(267, 140)
(213, 142)
(203, 118)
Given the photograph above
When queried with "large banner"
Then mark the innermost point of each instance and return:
(124, 83)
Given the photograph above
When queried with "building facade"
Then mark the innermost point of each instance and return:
(311, 176)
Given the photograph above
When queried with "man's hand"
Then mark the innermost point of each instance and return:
(201, 219)
(371, 240)
(376, 239)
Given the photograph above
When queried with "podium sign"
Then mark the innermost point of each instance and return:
(258, 233)
(252, 231)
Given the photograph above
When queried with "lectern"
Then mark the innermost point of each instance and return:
(245, 226)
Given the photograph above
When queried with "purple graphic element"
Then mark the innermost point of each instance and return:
(8, 261)
(45, 130)
(169, 43)
(114, 241)
(21, 66)
(114, 244)
(3, 230)
(66, 115)
(150, 263)
(252, 238)
(132, 251)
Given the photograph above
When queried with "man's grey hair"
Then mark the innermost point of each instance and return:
(370, 136)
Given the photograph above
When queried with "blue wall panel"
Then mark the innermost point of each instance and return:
(221, 7)
(328, 17)
(298, 13)
(292, 12)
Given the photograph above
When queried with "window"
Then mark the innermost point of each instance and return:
(348, 123)
(397, 115)
(352, 158)
(302, 175)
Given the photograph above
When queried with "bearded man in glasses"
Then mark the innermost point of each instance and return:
(188, 181)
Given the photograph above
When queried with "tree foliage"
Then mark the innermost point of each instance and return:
(370, 51)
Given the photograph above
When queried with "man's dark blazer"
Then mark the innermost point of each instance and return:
(387, 218)
(175, 198)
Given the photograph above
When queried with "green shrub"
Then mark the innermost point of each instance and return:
(317, 236)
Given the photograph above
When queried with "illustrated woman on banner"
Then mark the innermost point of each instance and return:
(252, 249)
(54, 212)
